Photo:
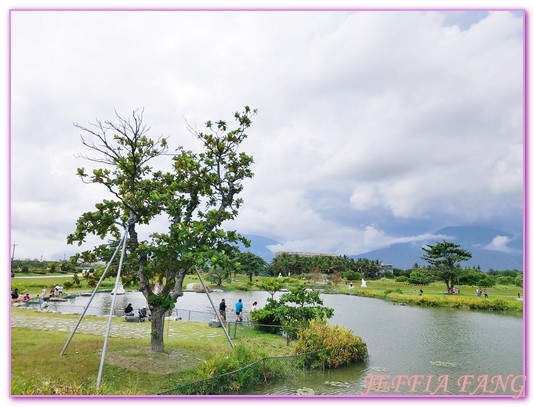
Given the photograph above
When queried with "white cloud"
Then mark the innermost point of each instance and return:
(365, 197)
(363, 116)
(499, 243)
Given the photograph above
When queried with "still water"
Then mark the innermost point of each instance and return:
(421, 351)
(412, 350)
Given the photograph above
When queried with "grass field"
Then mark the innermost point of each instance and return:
(500, 298)
(131, 367)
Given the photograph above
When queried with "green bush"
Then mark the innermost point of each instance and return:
(234, 371)
(325, 346)
(294, 309)
(471, 277)
(419, 277)
(505, 280)
(402, 279)
(494, 304)
(389, 275)
(68, 284)
(487, 281)
(352, 275)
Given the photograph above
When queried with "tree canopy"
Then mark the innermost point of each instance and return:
(444, 258)
(196, 196)
(293, 311)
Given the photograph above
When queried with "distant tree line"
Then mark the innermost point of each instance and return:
(334, 268)
(42, 267)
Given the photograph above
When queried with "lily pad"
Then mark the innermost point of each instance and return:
(443, 364)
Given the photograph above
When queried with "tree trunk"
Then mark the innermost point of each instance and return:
(449, 286)
(157, 319)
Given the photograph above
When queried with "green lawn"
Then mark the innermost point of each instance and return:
(131, 368)
(501, 298)
(379, 286)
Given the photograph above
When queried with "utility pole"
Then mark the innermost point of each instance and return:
(13, 253)
(13, 258)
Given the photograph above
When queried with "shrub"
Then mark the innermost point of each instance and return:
(325, 346)
(419, 277)
(352, 275)
(390, 290)
(451, 301)
(294, 309)
(68, 284)
(471, 277)
(487, 281)
(234, 371)
(402, 279)
(505, 280)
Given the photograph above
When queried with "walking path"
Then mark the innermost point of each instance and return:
(119, 327)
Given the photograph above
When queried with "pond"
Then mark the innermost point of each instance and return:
(412, 350)
(421, 351)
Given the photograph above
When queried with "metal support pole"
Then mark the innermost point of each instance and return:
(111, 312)
(92, 296)
(215, 310)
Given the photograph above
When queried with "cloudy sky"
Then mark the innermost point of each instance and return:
(373, 127)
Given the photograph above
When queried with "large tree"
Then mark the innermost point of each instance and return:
(444, 258)
(369, 268)
(196, 197)
(251, 264)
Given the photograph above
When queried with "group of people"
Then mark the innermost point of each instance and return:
(16, 297)
(129, 312)
(479, 292)
(56, 291)
(238, 309)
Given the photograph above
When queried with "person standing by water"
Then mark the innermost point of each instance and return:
(254, 306)
(239, 308)
(223, 310)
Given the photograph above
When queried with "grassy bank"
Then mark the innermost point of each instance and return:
(501, 298)
(131, 367)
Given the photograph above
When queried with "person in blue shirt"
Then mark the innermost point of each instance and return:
(239, 308)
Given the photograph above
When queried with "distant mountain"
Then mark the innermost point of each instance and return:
(507, 253)
(259, 246)
(490, 249)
